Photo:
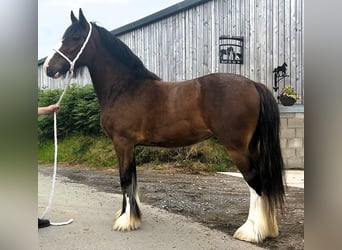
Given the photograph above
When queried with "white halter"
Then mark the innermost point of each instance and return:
(72, 63)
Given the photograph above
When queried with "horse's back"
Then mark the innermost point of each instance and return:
(228, 90)
(231, 82)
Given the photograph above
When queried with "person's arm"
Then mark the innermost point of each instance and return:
(48, 110)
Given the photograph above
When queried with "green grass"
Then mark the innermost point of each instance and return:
(91, 151)
(98, 151)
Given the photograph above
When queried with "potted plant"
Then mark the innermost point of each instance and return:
(287, 96)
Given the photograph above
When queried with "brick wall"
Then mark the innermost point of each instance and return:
(292, 139)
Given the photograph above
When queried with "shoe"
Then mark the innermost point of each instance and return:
(43, 223)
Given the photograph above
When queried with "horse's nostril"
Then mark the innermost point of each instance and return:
(49, 71)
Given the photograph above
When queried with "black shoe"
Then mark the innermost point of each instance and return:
(43, 223)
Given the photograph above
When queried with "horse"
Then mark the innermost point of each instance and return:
(279, 74)
(280, 70)
(138, 108)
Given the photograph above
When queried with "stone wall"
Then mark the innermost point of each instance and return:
(292, 139)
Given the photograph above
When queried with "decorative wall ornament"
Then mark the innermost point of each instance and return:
(279, 74)
(231, 49)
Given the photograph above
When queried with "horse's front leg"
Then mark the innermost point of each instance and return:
(129, 217)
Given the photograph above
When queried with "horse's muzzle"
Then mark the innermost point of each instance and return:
(51, 72)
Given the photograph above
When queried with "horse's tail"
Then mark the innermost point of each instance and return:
(265, 151)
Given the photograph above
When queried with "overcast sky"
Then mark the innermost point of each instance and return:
(54, 16)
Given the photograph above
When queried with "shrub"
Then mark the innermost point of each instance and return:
(79, 113)
(207, 154)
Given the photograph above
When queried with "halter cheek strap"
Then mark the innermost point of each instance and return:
(72, 63)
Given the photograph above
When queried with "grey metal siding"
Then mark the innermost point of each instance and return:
(185, 45)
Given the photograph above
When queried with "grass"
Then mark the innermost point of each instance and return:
(88, 151)
(98, 152)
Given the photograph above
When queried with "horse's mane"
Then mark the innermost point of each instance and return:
(121, 52)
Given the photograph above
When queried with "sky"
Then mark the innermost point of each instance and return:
(54, 16)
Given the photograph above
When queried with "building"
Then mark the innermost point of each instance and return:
(246, 37)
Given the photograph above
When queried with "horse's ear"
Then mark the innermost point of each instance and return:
(82, 19)
(73, 18)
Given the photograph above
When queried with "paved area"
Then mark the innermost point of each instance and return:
(93, 211)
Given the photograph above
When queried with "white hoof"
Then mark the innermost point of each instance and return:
(247, 232)
(125, 222)
(261, 222)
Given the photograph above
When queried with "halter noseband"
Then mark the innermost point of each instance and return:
(72, 63)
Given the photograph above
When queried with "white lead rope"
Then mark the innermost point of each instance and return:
(55, 159)
(70, 75)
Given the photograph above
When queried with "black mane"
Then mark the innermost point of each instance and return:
(120, 51)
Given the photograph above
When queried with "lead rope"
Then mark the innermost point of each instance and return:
(69, 76)
(55, 159)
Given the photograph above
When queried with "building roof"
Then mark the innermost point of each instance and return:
(169, 11)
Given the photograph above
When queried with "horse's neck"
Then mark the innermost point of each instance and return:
(108, 77)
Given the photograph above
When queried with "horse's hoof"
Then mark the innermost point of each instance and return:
(248, 233)
(125, 222)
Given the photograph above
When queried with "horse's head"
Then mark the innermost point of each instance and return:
(74, 48)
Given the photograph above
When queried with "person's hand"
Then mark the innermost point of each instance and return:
(52, 108)
(48, 110)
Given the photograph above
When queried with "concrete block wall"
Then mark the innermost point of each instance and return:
(292, 139)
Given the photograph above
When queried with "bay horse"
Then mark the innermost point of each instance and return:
(138, 108)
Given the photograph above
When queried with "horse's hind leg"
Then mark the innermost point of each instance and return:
(129, 217)
(261, 222)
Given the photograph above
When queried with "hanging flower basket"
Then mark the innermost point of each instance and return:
(287, 101)
(287, 96)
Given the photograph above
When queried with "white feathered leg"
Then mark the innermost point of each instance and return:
(127, 221)
(261, 222)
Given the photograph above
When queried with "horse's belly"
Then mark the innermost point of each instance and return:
(176, 135)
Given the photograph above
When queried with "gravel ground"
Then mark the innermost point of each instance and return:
(219, 202)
